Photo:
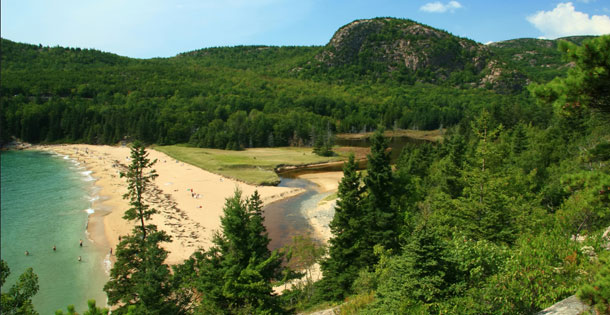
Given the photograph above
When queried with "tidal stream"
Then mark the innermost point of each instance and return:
(284, 219)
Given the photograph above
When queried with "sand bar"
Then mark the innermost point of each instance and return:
(189, 217)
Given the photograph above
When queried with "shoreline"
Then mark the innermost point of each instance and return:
(319, 217)
(190, 221)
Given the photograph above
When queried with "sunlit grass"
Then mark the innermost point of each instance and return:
(254, 166)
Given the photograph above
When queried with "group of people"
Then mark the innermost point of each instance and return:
(194, 195)
(80, 243)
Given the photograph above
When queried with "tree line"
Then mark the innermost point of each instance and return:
(51, 95)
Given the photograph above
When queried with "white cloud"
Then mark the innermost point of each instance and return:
(564, 20)
(438, 7)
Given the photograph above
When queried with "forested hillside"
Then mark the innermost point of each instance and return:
(254, 96)
(539, 59)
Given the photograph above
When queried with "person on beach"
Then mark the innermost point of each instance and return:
(110, 251)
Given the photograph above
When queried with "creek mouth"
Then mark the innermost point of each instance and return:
(287, 218)
(284, 219)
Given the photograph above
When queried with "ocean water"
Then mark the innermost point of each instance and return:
(45, 201)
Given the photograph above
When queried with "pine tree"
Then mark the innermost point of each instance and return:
(234, 276)
(140, 282)
(341, 268)
(138, 182)
(258, 238)
(381, 220)
(413, 282)
(139, 276)
(484, 208)
(519, 139)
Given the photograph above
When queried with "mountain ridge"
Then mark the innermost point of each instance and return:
(386, 49)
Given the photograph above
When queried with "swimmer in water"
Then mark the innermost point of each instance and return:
(27, 253)
(79, 259)
(81, 243)
(54, 248)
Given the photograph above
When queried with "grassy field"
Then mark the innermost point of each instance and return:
(254, 166)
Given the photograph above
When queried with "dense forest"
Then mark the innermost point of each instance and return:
(240, 97)
(505, 216)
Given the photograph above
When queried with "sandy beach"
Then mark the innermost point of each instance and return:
(189, 217)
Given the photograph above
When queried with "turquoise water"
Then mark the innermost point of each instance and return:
(45, 201)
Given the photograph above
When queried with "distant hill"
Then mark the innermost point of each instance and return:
(22, 56)
(539, 59)
(407, 51)
(397, 51)
(265, 59)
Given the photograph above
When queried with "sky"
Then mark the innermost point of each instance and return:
(164, 28)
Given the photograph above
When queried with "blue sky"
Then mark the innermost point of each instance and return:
(164, 28)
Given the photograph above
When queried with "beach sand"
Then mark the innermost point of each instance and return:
(190, 221)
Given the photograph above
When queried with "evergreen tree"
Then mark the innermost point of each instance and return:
(418, 279)
(140, 282)
(257, 233)
(234, 276)
(411, 170)
(322, 140)
(343, 262)
(380, 219)
(519, 139)
(484, 209)
(139, 276)
(138, 181)
(18, 298)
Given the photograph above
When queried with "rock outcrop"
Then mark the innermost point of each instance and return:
(569, 306)
(384, 46)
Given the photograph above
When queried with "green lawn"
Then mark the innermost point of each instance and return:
(253, 166)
